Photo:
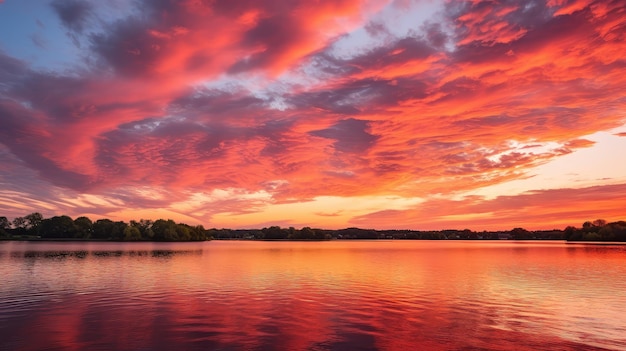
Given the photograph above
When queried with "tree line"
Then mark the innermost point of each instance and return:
(598, 230)
(35, 226)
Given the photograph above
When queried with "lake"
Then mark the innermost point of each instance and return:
(331, 295)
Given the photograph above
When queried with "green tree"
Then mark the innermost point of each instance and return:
(132, 233)
(145, 228)
(198, 233)
(183, 231)
(165, 230)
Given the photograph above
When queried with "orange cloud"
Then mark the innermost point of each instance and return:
(544, 209)
(199, 97)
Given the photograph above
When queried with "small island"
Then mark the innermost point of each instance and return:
(35, 227)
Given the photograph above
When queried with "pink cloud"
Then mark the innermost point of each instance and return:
(240, 95)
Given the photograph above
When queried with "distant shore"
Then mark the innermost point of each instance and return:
(34, 227)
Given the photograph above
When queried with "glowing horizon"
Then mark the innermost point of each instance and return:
(380, 114)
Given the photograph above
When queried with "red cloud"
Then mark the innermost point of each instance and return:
(242, 94)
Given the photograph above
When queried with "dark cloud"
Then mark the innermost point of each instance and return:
(403, 50)
(74, 14)
(350, 135)
(25, 98)
(58, 96)
(11, 71)
(366, 86)
(534, 18)
(333, 101)
(376, 28)
(360, 95)
(435, 34)
(129, 48)
(396, 52)
(273, 36)
(216, 102)
(26, 140)
(231, 37)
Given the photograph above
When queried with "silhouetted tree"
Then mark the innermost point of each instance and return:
(19, 225)
(599, 223)
(118, 230)
(84, 227)
(619, 229)
(572, 233)
(520, 234)
(58, 227)
(589, 227)
(307, 233)
(33, 221)
(274, 232)
(606, 233)
(5, 227)
(4, 223)
(102, 229)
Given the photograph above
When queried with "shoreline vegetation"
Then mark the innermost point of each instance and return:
(34, 227)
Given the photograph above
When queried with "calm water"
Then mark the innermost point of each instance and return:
(338, 295)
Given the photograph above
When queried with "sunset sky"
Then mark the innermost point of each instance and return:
(327, 113)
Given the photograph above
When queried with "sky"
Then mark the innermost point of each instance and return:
(390, 114)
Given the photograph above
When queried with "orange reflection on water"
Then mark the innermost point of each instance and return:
(319, 295)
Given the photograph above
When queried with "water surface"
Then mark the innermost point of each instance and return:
(335, 295)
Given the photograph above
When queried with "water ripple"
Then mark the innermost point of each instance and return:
(327, 296)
